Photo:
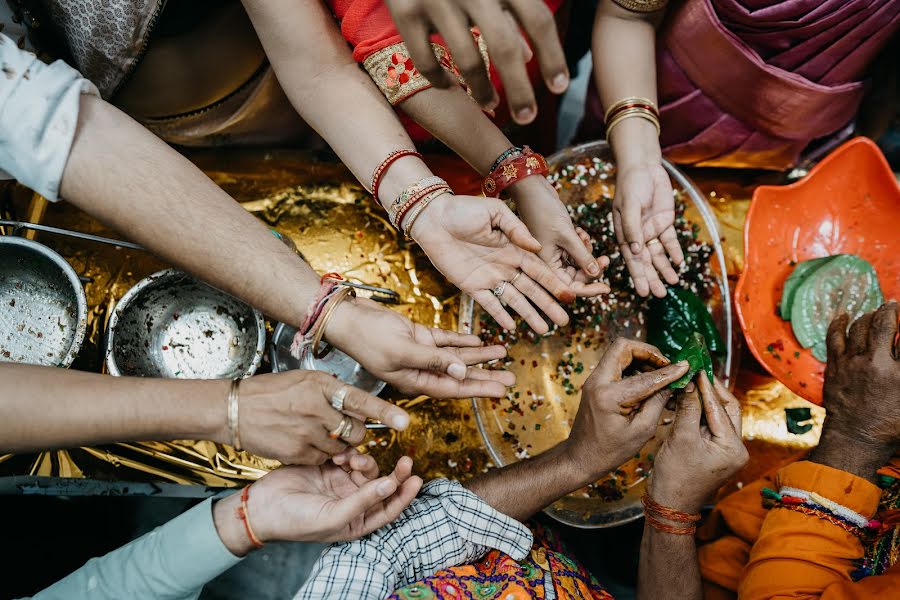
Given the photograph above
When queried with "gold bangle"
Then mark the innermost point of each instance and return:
(630, 100)
(416, 211)
(639, 113)
(642, 6)
(233, 415)
(323, 321)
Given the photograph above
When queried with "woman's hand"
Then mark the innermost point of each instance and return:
(644, 209)
(697, 458)
(287, 416)
(341, 500)
(478, 243)
(566, 248)
(414, 358)
(619, 414)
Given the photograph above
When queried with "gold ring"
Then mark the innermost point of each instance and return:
(654, 241)
(339, 430)
(516, 276)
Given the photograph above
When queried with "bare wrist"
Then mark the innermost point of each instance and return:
(851, 453)
(635, 142)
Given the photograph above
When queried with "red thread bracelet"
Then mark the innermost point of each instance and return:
(244, 514)
(382, 168)
(327, 282)
(514, 169)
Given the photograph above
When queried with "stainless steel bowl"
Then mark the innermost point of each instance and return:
(339, 364)
(174, 326)
(43, 309)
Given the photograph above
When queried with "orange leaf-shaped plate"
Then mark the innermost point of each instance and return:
(848, 204)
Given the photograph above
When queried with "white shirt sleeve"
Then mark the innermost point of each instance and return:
(172, 562)
(38, 116)
(446, 525)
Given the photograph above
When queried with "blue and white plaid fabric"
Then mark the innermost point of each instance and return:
(446, 525)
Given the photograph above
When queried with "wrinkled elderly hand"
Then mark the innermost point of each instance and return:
(499, 24)
(698, 457)
(862, 393)
(340, 500)
(619, 414)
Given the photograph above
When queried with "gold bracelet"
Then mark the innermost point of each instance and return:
(634, 112)
(405, 195)
(416, 211)
(642, 6)
(630, 102)
(233, 415)
(323, 321)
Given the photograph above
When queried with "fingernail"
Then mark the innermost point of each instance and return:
(525, 115)
(594, 268)
(635, 247)
(682, 363)
(386, 488)
(560, 83)
(457, 371)
(401, 421)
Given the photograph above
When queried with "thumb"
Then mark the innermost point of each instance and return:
(364, 499)
(631, 225)
(687, 414)
(440, 360)
(647, 416)
(580, 253)
(636, 388)
(515, 229)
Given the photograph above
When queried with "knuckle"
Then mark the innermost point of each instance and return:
(435, 363)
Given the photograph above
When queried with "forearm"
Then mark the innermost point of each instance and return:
(451, 116)
(330, 91)
(44, 407)
(129, 179)
(623, 48)
(522, 489)
(668, 562)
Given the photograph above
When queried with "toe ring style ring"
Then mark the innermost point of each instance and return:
(337, 398)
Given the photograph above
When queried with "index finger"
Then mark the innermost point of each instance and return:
(716, 418)
(539, 24)
(360, 403)
(415, 33)
(623, 353)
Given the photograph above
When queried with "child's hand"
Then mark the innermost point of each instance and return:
(566, 248)
(480, 246)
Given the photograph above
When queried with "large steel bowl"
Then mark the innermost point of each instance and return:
(547, 420)
(43, 309)
(173, 326)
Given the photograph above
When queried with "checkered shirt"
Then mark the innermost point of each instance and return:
(445, 526)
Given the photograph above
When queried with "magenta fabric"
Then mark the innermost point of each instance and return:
(750, 83)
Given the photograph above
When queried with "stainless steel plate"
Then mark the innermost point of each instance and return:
(43, 309)
(174, 326)
(336, 362)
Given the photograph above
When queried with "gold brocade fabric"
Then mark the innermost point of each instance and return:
(338, 227)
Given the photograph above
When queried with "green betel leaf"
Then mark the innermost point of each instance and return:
(674, 318)
(697, 355)
(795, 418)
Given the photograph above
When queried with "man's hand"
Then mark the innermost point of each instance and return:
(499, 23)
(477, 243)
(697, 458)
(414, 358)
(618, 415)
(862, 394)
(341, 500)
(566, 248)
(287, 416)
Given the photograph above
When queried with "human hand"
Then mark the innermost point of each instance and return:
(478, 243)
(414, 358)
(566, 248)
(287, 416)
(619, 414)
(644, 209)
(862, 393)
(697, 458)
(340, 500)
(499, 23)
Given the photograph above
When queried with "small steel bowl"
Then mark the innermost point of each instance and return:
(173, 326)
(339, 364)
(43, 309)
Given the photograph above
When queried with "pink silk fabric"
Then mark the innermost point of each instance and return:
(750, 83)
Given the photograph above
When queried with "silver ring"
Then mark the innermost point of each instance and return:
(337, 398)
(500, 288)
(516, 276)
(338, 432)
(346, 430)
(654, 241)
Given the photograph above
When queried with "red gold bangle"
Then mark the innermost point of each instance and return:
(512, 170)
(415, 199)
(244, 515)
(627, 103)
(382, 168)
